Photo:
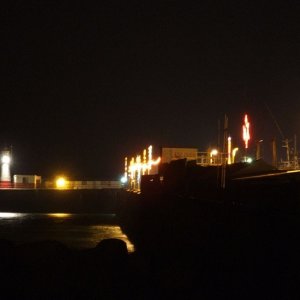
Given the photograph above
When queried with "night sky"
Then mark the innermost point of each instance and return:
(83, 85)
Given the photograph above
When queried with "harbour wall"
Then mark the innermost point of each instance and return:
(60, 201)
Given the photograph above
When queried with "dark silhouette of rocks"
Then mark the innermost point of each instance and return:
(199, 250)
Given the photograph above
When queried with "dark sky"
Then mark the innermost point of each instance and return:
(83, 85)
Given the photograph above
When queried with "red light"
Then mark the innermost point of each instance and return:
(246, 131)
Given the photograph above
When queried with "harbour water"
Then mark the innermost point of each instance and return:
(76, 231)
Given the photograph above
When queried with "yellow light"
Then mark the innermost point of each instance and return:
(140, 165)
(229, 150)
(150, 153)
(213, 152)
(144, 165)
(234, 153)
(156, 162)
(61, 183)
(59, 215)
(144, 156)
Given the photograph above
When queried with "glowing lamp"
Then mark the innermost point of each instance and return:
(8, 215)
(229, 150)
(213, 152)
(249, 160)
(123, 179)
(234, 153)
(61, 183)
(5, 169)
(6, 159)
(59, 215)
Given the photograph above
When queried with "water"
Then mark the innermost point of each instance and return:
(77, 231)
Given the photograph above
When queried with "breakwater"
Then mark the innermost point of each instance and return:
(69, 201)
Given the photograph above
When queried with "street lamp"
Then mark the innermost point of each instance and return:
(61, 183)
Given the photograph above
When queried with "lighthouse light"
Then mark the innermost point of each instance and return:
(5, 159)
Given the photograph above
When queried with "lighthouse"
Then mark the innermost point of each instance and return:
(5, 169)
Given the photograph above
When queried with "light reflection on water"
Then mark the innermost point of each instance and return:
(59, 215)
(76, 231)
(9, 215)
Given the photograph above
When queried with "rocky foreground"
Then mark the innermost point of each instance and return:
(221, 254)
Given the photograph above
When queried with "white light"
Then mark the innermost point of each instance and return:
(249, 160)
(213, 152)
(8, 215)
(5, 159)
(124, 179)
